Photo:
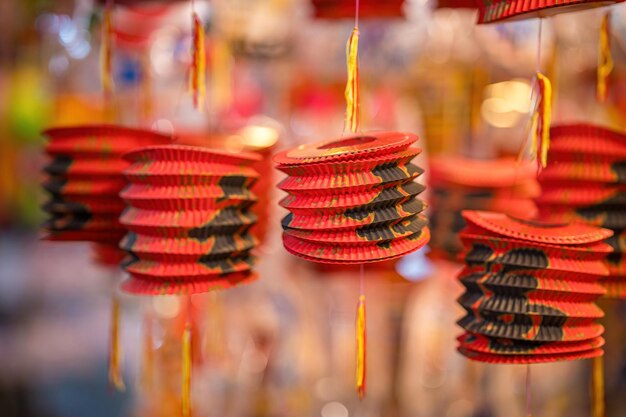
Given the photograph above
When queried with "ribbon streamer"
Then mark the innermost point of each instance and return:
(106, 78)
(605, 59)
(541, 115)
(597, 387)
(197, 75)
(115, 351)
(352, 85)
(361, 352)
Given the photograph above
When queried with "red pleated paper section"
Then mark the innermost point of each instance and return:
(457, 183)
(188, 220)
(341, 9)
(85, 177)
(500, 10)
(585, 182)
(353, 200)
(530, 289)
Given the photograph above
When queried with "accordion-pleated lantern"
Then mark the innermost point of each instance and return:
(345, 9)
(501, 10)
(530, 289)
(84, 178)
(585, 182)
(188, 220)
(457, 183)
(354, 199)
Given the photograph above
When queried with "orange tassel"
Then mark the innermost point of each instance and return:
(352, 85)
(605, 59)
(147, 369)
(197, 76)
(540, 119)
(115, 350)
(106, 77)
(186, 371)
(221, 74)
(597, 387)
(361, 352)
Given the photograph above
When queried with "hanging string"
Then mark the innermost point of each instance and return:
(106, 62)
(352, 85)
(186, 368)
(115, 351)
(197, 73)
(361, 340)
(540, 113)
(528, 393)
(605, 59)
(597, 387)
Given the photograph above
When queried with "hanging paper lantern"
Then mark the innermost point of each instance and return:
(354, 199)
(457, 4)
(586, 182)
(530, 289)
(457, 183)
(84, 180)
(499, 10)
(188, 220)
(339, 9)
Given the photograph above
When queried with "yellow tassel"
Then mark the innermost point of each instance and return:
(352, 85)
(186, 372)
(361, 352)
(197, 75)
(541, 116)
(597, 386)
(106, 78)
(147, 369)
(115, 350)
(221, 71)
(146, 88)
(605, 59)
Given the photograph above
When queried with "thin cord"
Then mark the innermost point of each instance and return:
(361, 280)
(356, 14)
(538, 63)
(528, 392)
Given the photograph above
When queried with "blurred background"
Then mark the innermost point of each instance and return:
(284, 345)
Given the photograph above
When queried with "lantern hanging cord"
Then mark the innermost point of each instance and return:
(538, 62)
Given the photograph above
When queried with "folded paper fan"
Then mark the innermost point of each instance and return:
(500, 10)
(585, 183)
(353, 200)
(531, 289)
(188, 219)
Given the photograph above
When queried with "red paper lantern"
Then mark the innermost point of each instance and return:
(457, 4)
(586, 182)
(353, 200)
(530, 289)
(84, 180)
(188, 219)
(499, 10)
(456, 183)
(340, 9)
